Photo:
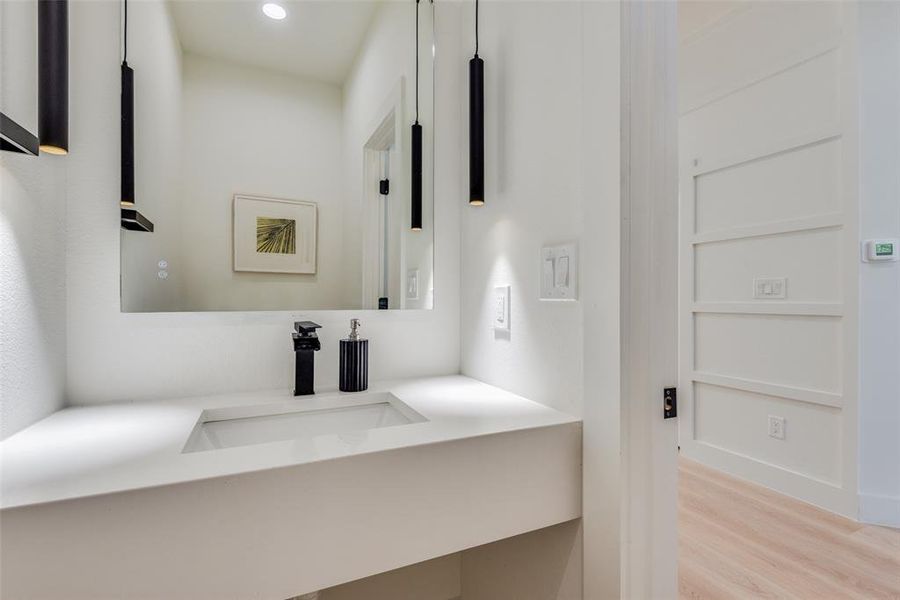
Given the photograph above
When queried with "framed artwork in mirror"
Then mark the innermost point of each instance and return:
(272, 235)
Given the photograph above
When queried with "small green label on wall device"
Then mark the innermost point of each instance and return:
(884, 249)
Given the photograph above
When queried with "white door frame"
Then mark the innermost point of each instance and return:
(649, 299)
(386, 136)
(630, 347)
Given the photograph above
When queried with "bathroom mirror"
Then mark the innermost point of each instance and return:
(19, 76)
(273, 155)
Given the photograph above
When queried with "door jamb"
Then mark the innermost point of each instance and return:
(649, 298)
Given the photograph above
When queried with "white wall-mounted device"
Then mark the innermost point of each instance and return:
(880, 250)
(776, 427)
(772, 288)
(412, 284)
(163, 272)
(500, 308)
(559, 272)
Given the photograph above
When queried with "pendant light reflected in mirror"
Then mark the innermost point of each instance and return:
(416, 167)
(131, 218)
(476, 124)
(53, 76)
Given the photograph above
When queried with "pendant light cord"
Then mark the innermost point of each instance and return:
(125, 34)
(476, 27)
(417, 61)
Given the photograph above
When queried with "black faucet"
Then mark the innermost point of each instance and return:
(305, 343)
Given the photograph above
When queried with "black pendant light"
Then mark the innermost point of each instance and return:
(53, 76)
(416, 184)
(131, 218)
(476, 124)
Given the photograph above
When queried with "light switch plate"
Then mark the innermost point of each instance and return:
(770, 288)
(559, 272)
(412, 284)
(500, 308)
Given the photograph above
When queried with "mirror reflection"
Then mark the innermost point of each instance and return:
(273, 155)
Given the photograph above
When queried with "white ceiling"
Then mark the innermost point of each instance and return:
(318, 40)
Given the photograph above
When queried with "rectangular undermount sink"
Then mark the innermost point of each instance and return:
(297, 419)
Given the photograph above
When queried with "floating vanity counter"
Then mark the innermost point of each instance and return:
(263, 495)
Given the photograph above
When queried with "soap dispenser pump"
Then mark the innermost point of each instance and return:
(354, 367)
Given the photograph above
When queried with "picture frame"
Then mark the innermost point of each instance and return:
(274, 235)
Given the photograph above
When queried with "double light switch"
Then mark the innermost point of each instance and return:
(559, 272)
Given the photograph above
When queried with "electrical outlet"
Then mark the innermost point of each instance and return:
(776, 427)
(501, 308)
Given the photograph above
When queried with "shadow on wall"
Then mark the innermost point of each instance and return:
(540, 565)
(32, 289)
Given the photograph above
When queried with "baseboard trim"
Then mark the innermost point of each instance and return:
(879, 510)
(829, 496)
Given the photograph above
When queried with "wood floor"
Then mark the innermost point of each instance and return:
(739, 540)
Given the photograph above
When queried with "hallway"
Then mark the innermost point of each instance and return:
(739, 540)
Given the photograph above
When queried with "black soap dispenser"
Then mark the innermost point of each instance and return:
(354, 371)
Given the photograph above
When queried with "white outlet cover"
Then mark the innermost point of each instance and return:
(776, 427)
(500, 308)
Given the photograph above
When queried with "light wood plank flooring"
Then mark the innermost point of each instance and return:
(739, 540)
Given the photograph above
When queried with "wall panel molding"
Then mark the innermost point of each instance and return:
(769, 149)
(829, 221)
(788, 392)
(824, 494)
(706, 166)
(810, 309)
(773, 70)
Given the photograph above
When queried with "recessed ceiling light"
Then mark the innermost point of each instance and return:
(274, 11)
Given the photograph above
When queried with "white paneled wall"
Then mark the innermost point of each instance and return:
(768, 171)
(783, 186)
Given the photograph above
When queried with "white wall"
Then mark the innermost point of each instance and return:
(601, 289)
(32, 244)
(552, 115)
(115, 356)
(768, 189)
(533, 197)
(32, 289)
(155, 55)
(251, 131)
(879, 410)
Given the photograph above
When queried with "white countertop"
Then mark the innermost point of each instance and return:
(86, 451)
